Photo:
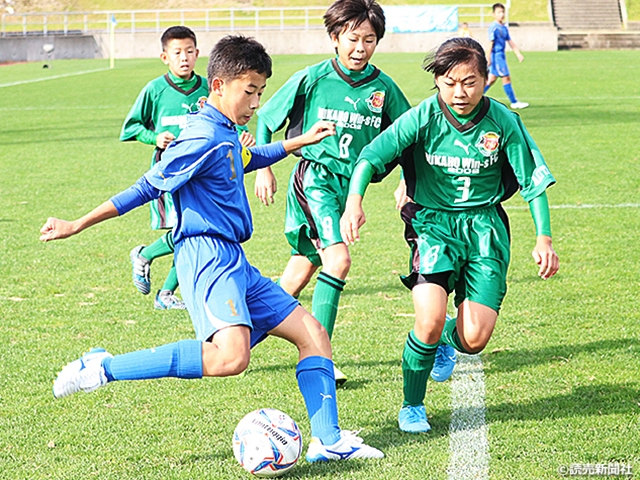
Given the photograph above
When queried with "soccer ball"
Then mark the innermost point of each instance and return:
(267, 442)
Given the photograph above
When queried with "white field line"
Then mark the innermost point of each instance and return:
(468, 432)
(578, 207)
(34, 80)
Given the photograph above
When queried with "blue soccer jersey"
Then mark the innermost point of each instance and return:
(499, 35)
(204, 171)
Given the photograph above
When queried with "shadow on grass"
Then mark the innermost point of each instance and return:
(510, 360)
(583, 401)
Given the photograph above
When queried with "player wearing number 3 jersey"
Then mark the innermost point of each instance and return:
(362, 101)
(462, 154)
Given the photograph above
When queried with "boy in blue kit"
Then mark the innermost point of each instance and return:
(499, 37)
(156, 118)
(231, 305)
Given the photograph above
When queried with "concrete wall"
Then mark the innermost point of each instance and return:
(536, 37)
(542, 37)
(29, 49)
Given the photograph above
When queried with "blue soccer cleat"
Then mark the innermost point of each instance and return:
(86, 374)
(413, 419)
(444, 364)
(140, 271)
(349, 446)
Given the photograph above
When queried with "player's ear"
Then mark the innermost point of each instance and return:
(217, 85)
(164, 57)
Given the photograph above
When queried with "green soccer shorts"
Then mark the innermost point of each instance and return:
(315, 202)
(473, 245)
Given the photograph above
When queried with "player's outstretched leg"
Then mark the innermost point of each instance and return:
(86, 374)
(445, 356)
(183, 359)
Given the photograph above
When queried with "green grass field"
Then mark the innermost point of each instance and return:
(561, 371)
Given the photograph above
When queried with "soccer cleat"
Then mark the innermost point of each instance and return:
(413, 419)
(341, 378)
(519, 105)
(84, 374)
(349, 446)
(444, 363)
(167, 300)
(141, 270)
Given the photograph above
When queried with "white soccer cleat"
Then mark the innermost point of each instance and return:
(349, 446)
(519, 105)
(86, 374)
(140, 270)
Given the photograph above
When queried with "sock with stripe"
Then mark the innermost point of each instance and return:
(326, 297)
(181, 359)
(417, 363)
(161, 247)
(508, 89)
(318, 387)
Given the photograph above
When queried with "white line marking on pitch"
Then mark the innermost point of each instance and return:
(578, 207)
(22, 82)
(468, 432)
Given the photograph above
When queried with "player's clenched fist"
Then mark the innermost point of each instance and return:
(54, 228)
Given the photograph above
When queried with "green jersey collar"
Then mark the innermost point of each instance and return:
(353, 78)
(470, 120)
(187, 87)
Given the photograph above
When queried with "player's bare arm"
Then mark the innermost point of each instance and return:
(515, 49)
(56, 229)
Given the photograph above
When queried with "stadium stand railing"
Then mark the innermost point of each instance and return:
(212, 19)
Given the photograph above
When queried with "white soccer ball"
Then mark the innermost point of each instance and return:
(267, 442)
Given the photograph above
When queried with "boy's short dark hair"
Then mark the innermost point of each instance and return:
(235, 55)
(454, 52)
(177, 33)
(497, 6)
(343, 14)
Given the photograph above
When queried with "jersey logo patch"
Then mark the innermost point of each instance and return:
(201, 102)
(488, 143)
(376, 102)
(347, 99)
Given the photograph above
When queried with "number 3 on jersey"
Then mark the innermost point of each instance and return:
(344, 143)
(464, 189)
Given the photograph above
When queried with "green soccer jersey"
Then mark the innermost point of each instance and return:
(361, 104)
(161, 106)
(456, 163)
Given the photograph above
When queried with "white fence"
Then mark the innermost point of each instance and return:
(208, 20)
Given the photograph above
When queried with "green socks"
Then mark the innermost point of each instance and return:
(161, 247)
(326, 297)
(450, 335)
(171, 283)
(417, 362)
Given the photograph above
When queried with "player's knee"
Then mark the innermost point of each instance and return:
(338, 265)
(475, 344)
(227, 363)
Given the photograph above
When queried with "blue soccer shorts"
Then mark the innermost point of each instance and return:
(220, 289)
(498, 67)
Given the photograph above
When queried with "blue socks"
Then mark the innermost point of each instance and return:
(181, 359)
(508, 89)
(318, 387)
